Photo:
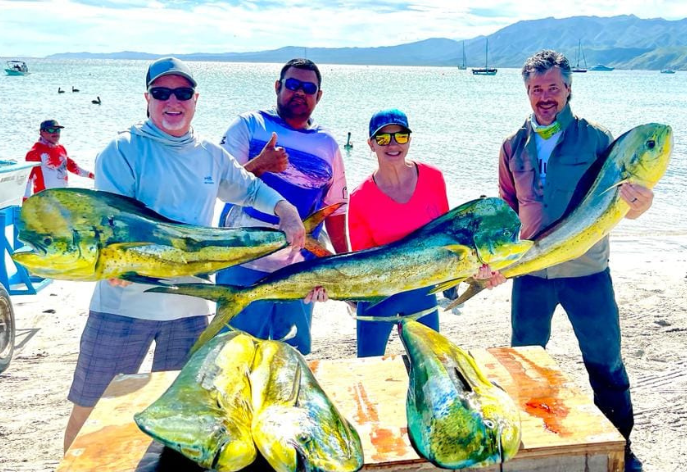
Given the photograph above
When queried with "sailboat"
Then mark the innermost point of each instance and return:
(486, 70)
(463, 66)
(579, 55)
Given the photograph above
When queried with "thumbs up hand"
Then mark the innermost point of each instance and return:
(272, 158)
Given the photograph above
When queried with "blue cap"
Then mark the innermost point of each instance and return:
(168, 66)
(391, 116)
(50, 124)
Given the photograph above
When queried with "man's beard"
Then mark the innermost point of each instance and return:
(286, 111)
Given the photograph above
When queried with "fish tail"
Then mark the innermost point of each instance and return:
(474, 288)
(312, 222)
(231, 300)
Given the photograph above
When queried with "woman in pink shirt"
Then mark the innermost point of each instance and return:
(398, 198)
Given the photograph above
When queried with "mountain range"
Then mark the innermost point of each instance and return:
(623, 42)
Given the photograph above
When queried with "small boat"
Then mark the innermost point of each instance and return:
(580, 55)
(486, 70)
(462, 65)
(13, 178)
(601, 68)
(667, 71)
(16, 68)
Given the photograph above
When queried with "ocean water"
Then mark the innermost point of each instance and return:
(459, 121)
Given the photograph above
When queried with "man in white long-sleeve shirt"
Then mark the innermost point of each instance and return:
(165, 165)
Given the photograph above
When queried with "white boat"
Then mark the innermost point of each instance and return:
(667, 71)
(13, 178)
(486, 70)
(16, 68)
(580, 55)
(462, 65)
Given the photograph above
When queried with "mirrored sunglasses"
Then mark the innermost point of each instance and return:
(163, 93)
(294, 84)
(52, 130)
(384, 139)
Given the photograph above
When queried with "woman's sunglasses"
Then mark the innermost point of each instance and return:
(384, 139)
(52, 130)
(292, 84)
(163, 93)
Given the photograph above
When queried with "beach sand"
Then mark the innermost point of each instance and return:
(650, 279)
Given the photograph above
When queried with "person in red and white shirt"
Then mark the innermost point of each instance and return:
(52, 173)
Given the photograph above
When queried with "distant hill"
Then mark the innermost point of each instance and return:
(623, 42)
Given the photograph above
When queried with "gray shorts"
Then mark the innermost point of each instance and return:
(113, 344)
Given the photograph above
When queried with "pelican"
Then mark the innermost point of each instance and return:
(59, 90)
(74, 89)
(97, 102)
(348, 144)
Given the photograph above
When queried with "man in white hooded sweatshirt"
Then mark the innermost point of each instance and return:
(164, 164)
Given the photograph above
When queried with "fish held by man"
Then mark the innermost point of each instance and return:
(640, 156)
(295, 425)
(89, 235)
(440, 254)
(457, 418)
(206, 413)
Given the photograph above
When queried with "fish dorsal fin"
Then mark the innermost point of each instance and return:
(296, 390)
(314, 220)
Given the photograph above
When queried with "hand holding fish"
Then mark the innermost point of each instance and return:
(290, 223)
(119, 282)
(490, 278)
(318, 294)
(639, 198)
(272, 158)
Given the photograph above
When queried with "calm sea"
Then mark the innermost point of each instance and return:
(458, 120)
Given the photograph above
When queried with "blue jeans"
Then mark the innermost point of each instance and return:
(267, 319)
(373, 336)
(589, 302)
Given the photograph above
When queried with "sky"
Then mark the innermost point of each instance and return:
(36, 28)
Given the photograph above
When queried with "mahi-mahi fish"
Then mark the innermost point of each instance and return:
(457, 418)
(206, 413)
(640, 156)
(439, 254)
(88, 235)
(295, 425)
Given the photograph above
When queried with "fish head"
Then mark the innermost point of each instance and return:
(61, 237)
(502, 432)
(644, 153)
(496, 233)
(291, 438)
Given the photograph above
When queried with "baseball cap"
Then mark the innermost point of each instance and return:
(391, 116)
(50, 124)
(168, 66)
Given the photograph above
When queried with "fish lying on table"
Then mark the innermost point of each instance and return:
(88, 235)
(295, 425)
(206, 413)
(441, 254)
(457, 418)
(640, 156)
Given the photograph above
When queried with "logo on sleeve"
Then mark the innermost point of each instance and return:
(208, 180)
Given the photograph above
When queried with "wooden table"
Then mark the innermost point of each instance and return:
(562, 430)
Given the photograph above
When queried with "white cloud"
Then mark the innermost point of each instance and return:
(40, 28)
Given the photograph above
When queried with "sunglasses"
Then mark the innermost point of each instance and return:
(384, 139)
(163, 93)
(52, 130)
(294, 84)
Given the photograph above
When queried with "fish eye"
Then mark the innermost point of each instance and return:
(651, 144)
(47, 241)
(489, 424)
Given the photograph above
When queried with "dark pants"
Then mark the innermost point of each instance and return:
(373, 336)
(590, 304)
